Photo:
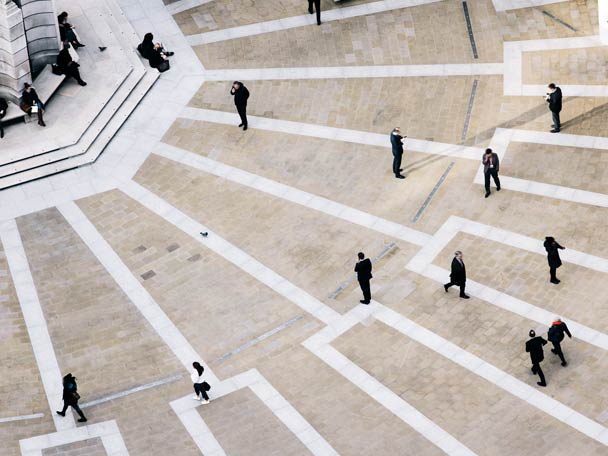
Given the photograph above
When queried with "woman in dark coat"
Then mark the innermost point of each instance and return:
(552, 248)
(154, 53)
(29, 100)
(70, 397)
(68, 67)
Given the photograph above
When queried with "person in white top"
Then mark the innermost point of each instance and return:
(200, 386)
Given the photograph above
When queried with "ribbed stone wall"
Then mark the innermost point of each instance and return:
(41, 31)
(14, 63)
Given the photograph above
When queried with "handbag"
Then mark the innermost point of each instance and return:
(164, 66)
(206, 386)
(55, 69)
(76, 396)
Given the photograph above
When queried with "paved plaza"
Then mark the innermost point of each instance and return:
(105, 273)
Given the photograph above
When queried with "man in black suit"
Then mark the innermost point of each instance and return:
(3, 108)
(534, 346)
(363, 268)
(317, 4)
(397, 143)
(490, 168)
(241, 94)
(458, 275)
(556, 335)
(554, 98)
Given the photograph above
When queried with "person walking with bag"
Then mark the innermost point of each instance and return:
(556, 335)
(71, 397)
(200, 386)
(552, 248)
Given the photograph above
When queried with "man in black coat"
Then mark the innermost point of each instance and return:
(363, 268)
(458, 274)
(556, 335)
(553, 248)
(490, 168)
(241, 94)
(397, 144)
(67, 66)
(317, 4)
(71, 397)
(554, 98)
(3, 108)
(534, 346)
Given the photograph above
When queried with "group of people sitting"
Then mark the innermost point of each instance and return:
(155, 53)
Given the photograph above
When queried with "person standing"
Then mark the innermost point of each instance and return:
(397, 143)
(490, 168)
(458, 274)
(317, 4)
(552, 248)
(71, 397)
(554, 98)
(31, 103)
(200, 386)
(241, 94)
(3, 108)
(534, 346)
(556, 335)
(363, 268)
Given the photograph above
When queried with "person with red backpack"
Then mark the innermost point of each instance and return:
(556, 335)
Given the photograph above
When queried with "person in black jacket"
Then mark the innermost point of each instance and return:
(397, 144)
(556, 335)
(363, 268)
(241, 94)
(534, 346)
(490, 164)
(3, 108)
(70, 397)
(552, 248)
(458, 274)
(29, 101)
(67, 66)
(317, 4)
(155, 53)
(67, 32)
(554, 98)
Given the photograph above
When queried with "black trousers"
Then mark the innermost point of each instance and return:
(317, 4)
(557, 349)
(462, 285)
(73, 71)
(491, 172)
(198, 389)
(1, 128)
(537, 370)
(553, 273)
(242, 110)
(367, 294)
(556, 122)
(75, 407)
(397, 164)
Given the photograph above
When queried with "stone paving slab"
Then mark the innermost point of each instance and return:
(89, 447)
(498, 336)
(245, 426)
(585, 66)
(582, 293)
(90, 320)
(442, 391)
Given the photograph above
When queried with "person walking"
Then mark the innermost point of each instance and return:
(397, 143)
(458, 274)
(317, 4)
(71, 397)
(200, 386)
(3, 108)
(241, 94)
(30, 103)
(490, 168)
(554, 98)
(363, 268)
(556, 335)
(552, 248)
(534, 346)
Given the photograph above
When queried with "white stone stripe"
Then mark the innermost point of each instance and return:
(337, 134)
(303, 20)
(319, 345)
(184, 5)
(293, 195)
(10, 419)
(344, 72)
(492, 374)
(107, 431)
(197, 428)
(505, 5)
(34, 319)
(134, 290)
(230, 252)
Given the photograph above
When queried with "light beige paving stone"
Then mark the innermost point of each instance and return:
(244, 425)
(319, 252)
(487, 422)
(498, 336)
(581, 295)
(89, 447)
(578, 167)
(586, 66)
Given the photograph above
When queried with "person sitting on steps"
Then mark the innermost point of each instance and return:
(67, 32)
(3, 108)
(31, 103)
(155, 53)
(67, 66)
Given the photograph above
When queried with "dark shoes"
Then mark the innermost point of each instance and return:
(60, 413)
(82, 83)
(169, 54)
(541, 383)
(82, 420)
(445, 287)
(556, 281)
(245, 128)
(310, 11)
(364, 302)
(554, 131)
(487, 194)
(564, 364)
(400, 176)
(102, 48)
(497, 189)
(240, 125)
(465, 296)
(42, 124)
